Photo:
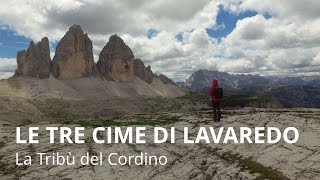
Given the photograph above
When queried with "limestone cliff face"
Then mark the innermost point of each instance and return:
(35, 62)
(165, 79)
(73, 57)
(142, 72)
(116, 60)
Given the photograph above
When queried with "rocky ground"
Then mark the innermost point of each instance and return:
(185, 161)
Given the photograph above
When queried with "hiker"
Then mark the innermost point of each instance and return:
(216, 94)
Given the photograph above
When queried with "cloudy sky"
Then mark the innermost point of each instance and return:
(273, 37)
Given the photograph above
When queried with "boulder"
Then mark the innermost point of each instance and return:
(35, 62)
(73, 57)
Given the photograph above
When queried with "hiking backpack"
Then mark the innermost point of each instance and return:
(218, 93)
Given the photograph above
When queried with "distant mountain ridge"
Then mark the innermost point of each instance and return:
(256, 90)
(201, 80)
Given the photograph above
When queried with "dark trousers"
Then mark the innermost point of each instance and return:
(216, 111)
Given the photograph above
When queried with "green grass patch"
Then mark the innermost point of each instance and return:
(248, 164)
(196, 97)
(52, 108)
(265, 172)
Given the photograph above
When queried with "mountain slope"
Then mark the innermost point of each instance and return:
(89, 88)
(297, 96)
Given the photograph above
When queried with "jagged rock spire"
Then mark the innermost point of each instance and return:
(115, 60)
(35, 62)
(73, 57)
(142, 72)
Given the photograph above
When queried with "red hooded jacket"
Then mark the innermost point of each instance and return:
(215, 83)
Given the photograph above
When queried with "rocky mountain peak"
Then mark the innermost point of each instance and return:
(35, 62)
(115, 39)
(75, 28)
(116, 60)
(117, 49)
(73, 57)
(201, 80)
(32, 44)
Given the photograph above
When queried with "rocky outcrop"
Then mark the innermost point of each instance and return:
(35, 62)
(142, 72)
(116, 60)
(117, 63)
(165, 80)
(74, 57)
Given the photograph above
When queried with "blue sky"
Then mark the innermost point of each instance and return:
(226, 22)
(11, 42)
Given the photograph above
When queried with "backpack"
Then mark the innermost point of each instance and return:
(218, 93)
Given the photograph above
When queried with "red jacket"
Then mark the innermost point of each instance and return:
(215, 83)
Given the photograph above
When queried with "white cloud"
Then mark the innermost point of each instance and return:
(7, 67)
(6, 75)
(307, 9)
(316, 60)
(52, 18)
(286, 44)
